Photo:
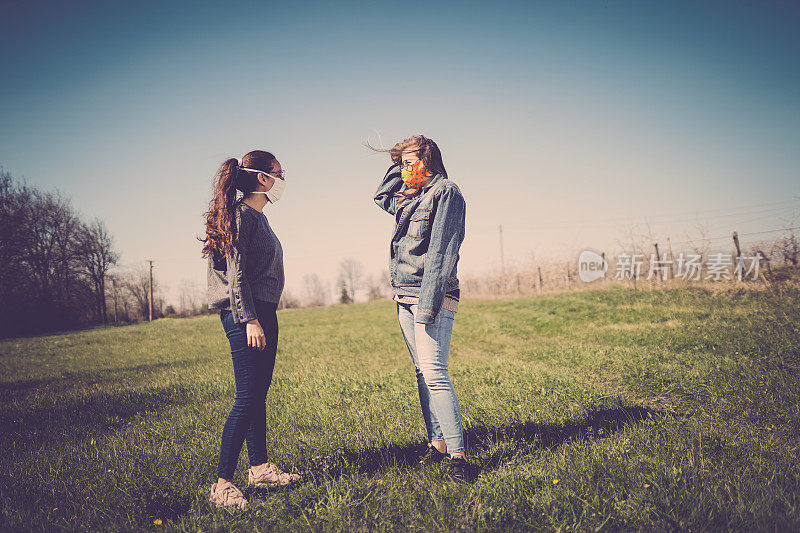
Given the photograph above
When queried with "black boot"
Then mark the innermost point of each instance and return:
(432, 456)
(460, 470)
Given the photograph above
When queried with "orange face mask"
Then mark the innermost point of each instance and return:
(413, 176)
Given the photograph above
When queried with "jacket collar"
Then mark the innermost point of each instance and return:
(436, 179)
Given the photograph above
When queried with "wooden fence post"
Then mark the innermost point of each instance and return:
(567, 276)
(658, 262)
(739, 264)
(671, 259)
(604, 281)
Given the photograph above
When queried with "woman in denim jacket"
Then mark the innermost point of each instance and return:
(429, 212)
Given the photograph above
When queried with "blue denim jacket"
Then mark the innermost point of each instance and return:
(428, 233)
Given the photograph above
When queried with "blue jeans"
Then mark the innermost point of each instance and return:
(429, 346)
(252, 371)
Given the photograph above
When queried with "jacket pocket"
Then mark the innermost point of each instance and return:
(418, 224)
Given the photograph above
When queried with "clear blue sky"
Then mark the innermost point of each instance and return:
(567, 122)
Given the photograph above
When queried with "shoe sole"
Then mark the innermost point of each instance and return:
(233, 505)
(268, 485)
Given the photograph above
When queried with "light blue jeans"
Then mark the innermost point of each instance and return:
(429, 346)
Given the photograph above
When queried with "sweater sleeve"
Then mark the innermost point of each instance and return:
(241, 294)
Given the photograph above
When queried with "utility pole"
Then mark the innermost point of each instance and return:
(502, 260)
(150, 302)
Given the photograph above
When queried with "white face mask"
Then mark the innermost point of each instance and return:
(278, 185)
(276, 191)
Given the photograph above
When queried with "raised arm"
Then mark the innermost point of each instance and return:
(391, 185)
(447, 234)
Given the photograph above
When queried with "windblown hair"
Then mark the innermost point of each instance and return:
(221, 230)
(425, 149)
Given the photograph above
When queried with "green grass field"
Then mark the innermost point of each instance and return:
(588, 411)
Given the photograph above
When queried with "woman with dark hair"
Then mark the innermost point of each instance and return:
(429, 212)
(245, 282)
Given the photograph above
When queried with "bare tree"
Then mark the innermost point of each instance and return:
(350, 277)
(314, 291)
(787, 248)
(637, 245)
(15, 240)
(54, 255)
(137, 284)
(702, 244)
(189, 297)
(42, 262)
(377, 286)
(288, 301)
(98, 255)
(113, 300)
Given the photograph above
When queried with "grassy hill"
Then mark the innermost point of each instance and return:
(605, 410)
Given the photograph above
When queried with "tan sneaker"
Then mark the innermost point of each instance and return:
(270, 476)
(226, 495)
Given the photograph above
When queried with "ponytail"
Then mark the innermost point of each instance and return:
(221, 231)
(228, 173)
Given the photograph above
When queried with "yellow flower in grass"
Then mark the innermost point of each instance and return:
(157, 521)
(555, 482)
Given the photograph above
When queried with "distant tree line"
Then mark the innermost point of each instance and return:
(54, 265)
(61, 272)
(350, 280)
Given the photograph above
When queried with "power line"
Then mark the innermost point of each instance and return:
(661, 219)
(740, 235)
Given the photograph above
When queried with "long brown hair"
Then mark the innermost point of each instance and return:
(425, 149)
(221, 230)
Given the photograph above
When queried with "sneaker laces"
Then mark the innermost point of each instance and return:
(272, 473)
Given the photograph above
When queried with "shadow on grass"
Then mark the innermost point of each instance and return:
(68, 422)
(84, 379)
(521, 437)
(92, 415)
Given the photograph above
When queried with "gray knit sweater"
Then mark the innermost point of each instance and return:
(254, 271)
